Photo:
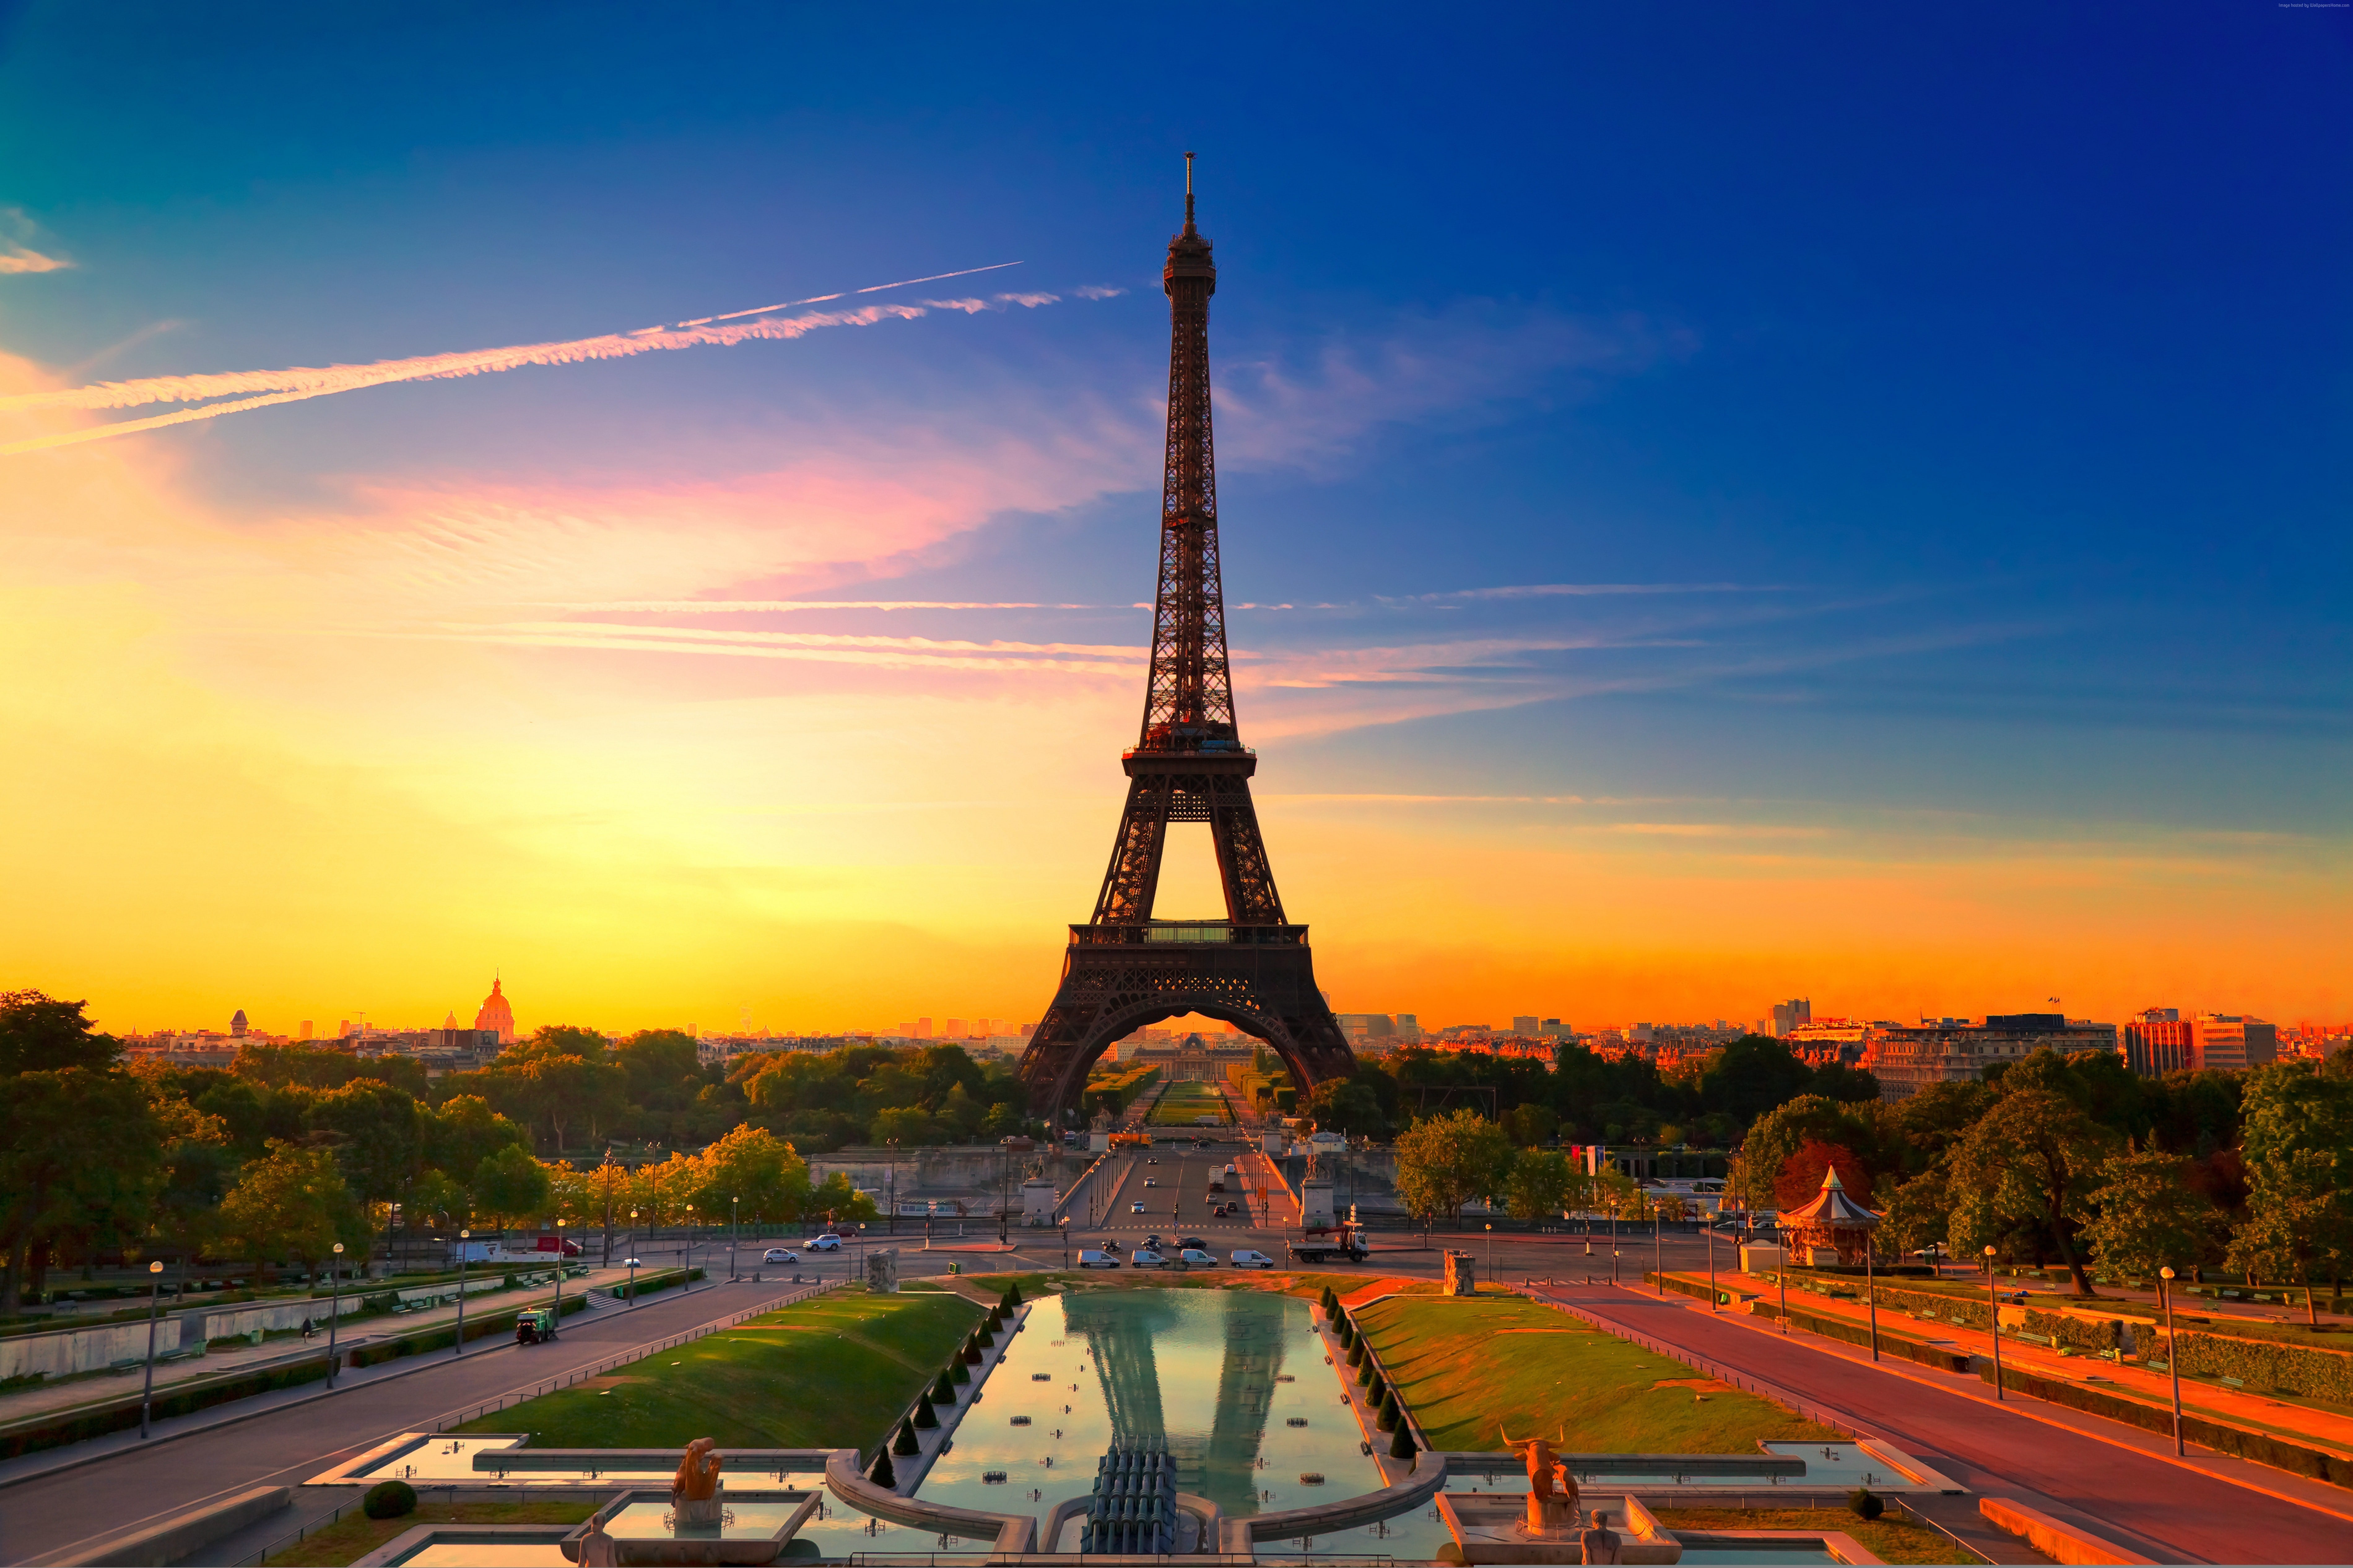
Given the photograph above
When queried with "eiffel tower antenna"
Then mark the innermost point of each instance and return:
(1125, 969)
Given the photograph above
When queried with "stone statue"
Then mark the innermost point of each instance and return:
(1601, 1543)
(694, 1491)
(598, 1549)
(1553, 1502)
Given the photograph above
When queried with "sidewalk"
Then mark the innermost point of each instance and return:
(103, 1388)
(2230, 1406)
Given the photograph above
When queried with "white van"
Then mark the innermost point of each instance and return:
(1146, 1258)
(1246, 1259)
(1194, 1257)
(1093, 1258)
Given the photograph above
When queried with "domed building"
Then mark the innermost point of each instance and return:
(494, 1013)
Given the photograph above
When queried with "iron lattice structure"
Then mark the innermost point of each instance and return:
(1123, 969)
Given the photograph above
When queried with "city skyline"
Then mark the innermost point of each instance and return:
(1701, 521)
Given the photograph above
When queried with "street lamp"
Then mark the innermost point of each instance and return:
(1714, 1302)
(1657, 1248)
(1490, 1249)
(334, 1313)
(463, 1238)
(2172, 1356)
(687, 1267)
(558, 1322)
(147, 1393)
(1871, 1291)
(631, 1265)
(1993, 1311)
(734, 1231)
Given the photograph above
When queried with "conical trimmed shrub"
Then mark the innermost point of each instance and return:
(1385, 1418)
(923, 1413)
(1401, 1446)
(1013, 1295)
(1356, 1352)
(958, 1372)
(1376, 1389)
(1367, 1374)
(972, 1351)
(907, 1443)
(882, 1475)
(943, 1391)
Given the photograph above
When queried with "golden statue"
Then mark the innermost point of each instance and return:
(1553, 1502)
(694, 1490)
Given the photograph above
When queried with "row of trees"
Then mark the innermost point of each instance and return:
(298, 1148)
(1582, 1097)
(2076, 1161)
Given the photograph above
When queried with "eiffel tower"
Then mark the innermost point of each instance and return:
(1125, 969)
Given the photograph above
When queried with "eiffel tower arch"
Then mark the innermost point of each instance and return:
(1123, 969)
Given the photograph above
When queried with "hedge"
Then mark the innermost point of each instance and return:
(2304, 1369)
(186, 1399)
(1860, 1334)
(2232, 1440)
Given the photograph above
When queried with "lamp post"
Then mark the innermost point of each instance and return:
(631, 1265)
(2172, 1356)
(632, 1251)
(334, 1313)
(893, 1145)
(687, 1265)
(154, 1294)
(558, 1323)
(1658, 1249)
(734, 1232)
(463, 1238)
(1993, 1312)
(1781, 1277)
(1613, 1263)
(1715, 1304)
(1490, 1249)
(1869, 1292)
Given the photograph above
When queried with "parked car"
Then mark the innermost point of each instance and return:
(829, 1242)
(1137, 1207)
(780, 1255)
(1192, 1241)
(1195, 1258)
(1093, 1258)
(1246, 1259)
(1145, 1257)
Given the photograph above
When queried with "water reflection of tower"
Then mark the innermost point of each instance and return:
(1253, 1355)
(1220, 1465)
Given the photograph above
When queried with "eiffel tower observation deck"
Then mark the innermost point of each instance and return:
(1123, 968)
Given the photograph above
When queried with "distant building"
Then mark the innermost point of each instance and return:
(1790, 1015)
(1524, 1024)
(494, 1015)
(1907, 1060)
(2227, 1040)
(1408, 1027)
(237, 1027)
(2156, 1042)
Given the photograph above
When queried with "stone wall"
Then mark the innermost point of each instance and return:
(61, 1351)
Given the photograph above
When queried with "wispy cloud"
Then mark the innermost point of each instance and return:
(16, 259)
(1097, 292)
(260, 389)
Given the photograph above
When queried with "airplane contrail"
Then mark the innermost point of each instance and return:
(293, 384)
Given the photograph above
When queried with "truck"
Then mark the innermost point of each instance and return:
(1345, 1242)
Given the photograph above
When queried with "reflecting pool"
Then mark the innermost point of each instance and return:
(1233, 1383)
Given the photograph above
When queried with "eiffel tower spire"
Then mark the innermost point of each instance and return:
(1125, 969)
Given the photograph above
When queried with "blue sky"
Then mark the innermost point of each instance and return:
(1966, 392)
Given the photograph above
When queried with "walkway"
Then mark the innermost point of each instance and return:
(2200, 1510)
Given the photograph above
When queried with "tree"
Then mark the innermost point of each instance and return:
(1919, 1211)
(511, 1185)
(764, 1177)
(1539, 1184)
(80, 1155)
(1444, 1162)
(436, 1196)
(2150, 1217)
(1786, 1128)
(378, 1136)
(2030, 1166)
(1343, 1105)
(1751, 1076)
(292, 1203)
(844, 1204)
(41, 1033)
(465, 1130)
(2298, 1145)
(1801, 1174)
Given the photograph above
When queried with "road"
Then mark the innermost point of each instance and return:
(288, 1444)
(2162, 1509)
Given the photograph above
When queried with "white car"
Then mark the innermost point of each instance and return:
(1194, 1257)
(829, 1242)
(1246, 1259)
(1231, 1169)
(780, 1255)
(1146, 1258)
(1090, 1259)
(1138, 1208)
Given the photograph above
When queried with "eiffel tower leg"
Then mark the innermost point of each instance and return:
(1243, 863)
(1133, 878)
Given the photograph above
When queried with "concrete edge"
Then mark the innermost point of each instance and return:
(153, 1545)
(1365, 1507)
(2060, 1542)
(1013, 1534)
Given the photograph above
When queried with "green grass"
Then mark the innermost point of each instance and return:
(1281, 1281)
(835, 1372)
(355, 1535)
(1183, 1101)
(1890, 1540)
(1472, 1370)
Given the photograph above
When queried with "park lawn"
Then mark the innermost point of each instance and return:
(1472, 1370)
(1183, 1101)
(1888, 1539)
(834, 1372)
(355, 1535)
(1281, 1281)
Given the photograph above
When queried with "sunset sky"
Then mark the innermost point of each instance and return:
(1720, 503)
